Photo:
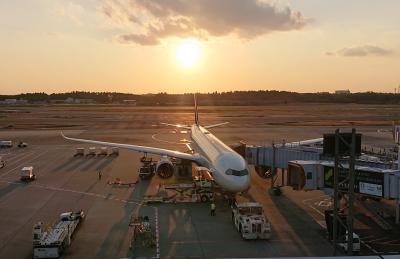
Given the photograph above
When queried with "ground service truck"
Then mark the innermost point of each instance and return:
(6, 144)
(26, 174)
(50, 243)
(250, 221)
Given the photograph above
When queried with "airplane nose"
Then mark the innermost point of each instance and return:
(240, 183)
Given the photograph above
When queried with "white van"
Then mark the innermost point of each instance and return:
(27, 174)
(356, 243)
(6, 143)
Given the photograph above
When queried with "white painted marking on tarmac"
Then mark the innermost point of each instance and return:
(369, 247)
(11, 161)
(323, 203)
(29, 161)
(154, 137)
(322, 223)
(97, 195)
(157, 233)
(376, 239)
(320, 213)
(317, 203)
(315, 198)
(316, 210)
(50, 188)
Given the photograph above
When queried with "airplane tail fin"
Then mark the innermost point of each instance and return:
(196, 113)
(196, 116)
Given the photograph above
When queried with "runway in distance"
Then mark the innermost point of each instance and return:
(229, 170)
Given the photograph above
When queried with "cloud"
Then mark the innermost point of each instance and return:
(139, 39)
(150, 21)
(361, 51)
(71, 11)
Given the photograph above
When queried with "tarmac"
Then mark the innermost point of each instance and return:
(183, 230)
(67, 183)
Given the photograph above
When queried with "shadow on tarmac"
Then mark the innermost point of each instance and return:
(68, 162)
(104, 163)
(11, 187)
(299, 220)
(186, 228)
(113, 244)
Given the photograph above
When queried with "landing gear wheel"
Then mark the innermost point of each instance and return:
(241, 230)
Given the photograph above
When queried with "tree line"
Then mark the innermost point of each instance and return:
(214, 98)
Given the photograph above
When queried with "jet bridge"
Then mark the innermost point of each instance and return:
(279, 156)
(308, 169)
(369, 181)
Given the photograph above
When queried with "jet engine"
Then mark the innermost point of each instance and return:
(165, 168)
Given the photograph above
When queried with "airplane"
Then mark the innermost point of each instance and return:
(229, 170)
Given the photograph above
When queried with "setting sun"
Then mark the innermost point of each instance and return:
(188, 53)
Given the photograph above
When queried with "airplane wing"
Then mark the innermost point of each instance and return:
(215, 125)
(150, 150)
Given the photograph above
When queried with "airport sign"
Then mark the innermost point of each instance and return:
(366, 182)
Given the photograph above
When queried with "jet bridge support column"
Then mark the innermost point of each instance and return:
(398, 167)
(344, 188)
(398, 156)
(273, 167)
(398, 211)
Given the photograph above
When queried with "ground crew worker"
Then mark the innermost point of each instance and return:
(212, 209)
(100, 175)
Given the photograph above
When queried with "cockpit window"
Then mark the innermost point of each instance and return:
(236, 172)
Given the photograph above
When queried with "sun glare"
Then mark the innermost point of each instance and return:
(188, 53)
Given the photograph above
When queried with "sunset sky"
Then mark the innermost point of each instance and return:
(174, 46)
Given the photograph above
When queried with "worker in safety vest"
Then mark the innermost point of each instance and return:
(212, 209)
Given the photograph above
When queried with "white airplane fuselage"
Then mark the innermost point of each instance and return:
(228, 168)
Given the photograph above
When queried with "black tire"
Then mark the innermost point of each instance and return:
(241, 231)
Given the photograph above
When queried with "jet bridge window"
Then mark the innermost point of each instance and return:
(237, 172)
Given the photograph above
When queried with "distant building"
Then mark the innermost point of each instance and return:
(84, 100)
(13, 101)
(129, 102)
(10, 101)
(56, 101)
(342, 91)
(71, 100)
